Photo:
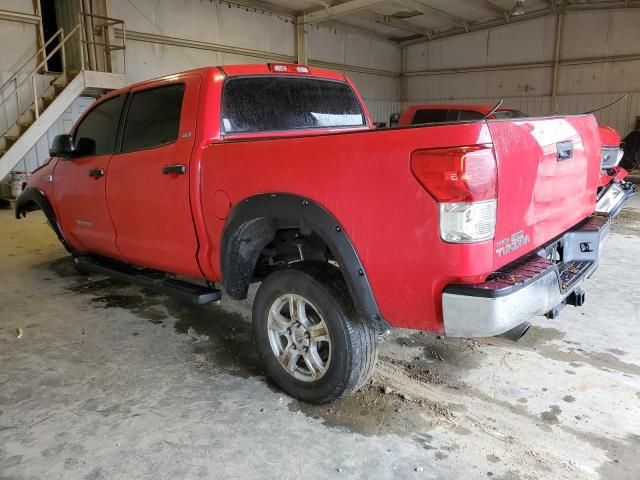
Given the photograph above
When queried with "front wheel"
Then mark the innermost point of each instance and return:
(311, 340)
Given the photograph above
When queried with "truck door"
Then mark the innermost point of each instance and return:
(148, 178)
(79, 182)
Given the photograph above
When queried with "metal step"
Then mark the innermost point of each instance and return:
(571, 272)
(152, 279)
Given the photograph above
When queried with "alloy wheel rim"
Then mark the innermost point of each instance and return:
(299, 337)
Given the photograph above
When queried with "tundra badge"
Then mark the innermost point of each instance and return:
(509, 244)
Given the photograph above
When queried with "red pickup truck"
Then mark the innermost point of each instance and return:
(275, 174)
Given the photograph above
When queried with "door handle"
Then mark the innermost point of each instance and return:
(178, 169)
(96, 172)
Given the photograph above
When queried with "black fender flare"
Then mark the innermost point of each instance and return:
(253, 223)
(34, 196)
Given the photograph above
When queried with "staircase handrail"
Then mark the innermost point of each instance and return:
(41, 64)
(31, 77)
(59, 33)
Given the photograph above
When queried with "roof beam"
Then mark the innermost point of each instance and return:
(480, 26)
(346, 8)
(344, 27)
(429, 10)
(599, 6)
(496, 9)
(394, 23)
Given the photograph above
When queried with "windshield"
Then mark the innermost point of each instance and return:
(277, 103)
(504, 114)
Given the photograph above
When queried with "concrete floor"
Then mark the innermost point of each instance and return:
(106, 384)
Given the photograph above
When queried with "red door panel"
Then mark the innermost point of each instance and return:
(82, 207)
(149, 205)
(79, 182)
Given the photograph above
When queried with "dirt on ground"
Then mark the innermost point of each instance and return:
(109, 380)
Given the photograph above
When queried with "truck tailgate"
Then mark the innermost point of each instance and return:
(547, 180)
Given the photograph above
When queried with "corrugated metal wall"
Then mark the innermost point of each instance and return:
(621, 116)
(380, 110)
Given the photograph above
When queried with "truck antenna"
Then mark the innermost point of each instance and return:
(493, 110)
(607, 106)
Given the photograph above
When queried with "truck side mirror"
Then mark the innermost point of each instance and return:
(62, 146)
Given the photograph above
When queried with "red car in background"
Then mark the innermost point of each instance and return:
(611, 184)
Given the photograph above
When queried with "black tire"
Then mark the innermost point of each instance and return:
(354, 342)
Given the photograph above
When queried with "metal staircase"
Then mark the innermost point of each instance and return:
(32, 102)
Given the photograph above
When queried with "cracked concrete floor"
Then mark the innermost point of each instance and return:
(105, 383)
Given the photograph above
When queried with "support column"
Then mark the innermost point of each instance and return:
(403, 75)
(556, 64)
(301, 41)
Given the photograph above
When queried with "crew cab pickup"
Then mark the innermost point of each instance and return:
(275, 174)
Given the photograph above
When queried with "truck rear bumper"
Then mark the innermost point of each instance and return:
(538, 284)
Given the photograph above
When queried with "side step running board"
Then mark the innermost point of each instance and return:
(152, 279)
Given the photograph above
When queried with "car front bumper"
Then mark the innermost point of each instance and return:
(533, 285)
(613, 197)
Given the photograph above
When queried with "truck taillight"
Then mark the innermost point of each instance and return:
(463, 180)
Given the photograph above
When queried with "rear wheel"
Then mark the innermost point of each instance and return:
(312, 342)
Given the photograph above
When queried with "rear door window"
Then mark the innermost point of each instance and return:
(467, 115)
(153, 118)
(272, 103)
(504, 114)
(430, 116)
(96, 133)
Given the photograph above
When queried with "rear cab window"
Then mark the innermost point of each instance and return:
(431, 115)
(468, 115)
(279, 103)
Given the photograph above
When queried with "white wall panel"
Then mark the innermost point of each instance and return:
(581, 86)
(509, 83)
(524, 42)
(18, 42)
(217, 22)
(213, 22)
(600, 77)
(376, 87)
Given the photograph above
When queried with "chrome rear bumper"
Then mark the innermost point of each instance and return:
(528, 287)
